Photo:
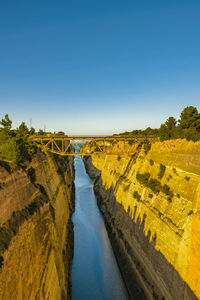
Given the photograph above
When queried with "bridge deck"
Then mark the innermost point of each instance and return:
(64, 144)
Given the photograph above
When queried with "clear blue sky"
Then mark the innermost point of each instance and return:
(98, 66)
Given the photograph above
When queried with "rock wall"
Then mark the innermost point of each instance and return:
(152, 216)
(36, 233)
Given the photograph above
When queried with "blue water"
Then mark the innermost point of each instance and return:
(95, 273)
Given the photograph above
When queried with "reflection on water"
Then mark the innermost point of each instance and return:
(95, 274)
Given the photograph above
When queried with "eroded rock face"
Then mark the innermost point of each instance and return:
(155, 235)
(16, 190)
(37, 261)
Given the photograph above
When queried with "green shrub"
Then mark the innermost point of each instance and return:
(143, 178)
(169, 199)
(187, 178)
(162, 171)
(126, 188)
(190, 212)
(151, 162)
(118, 157)
(178, 195)
(169, 177)
(151, 196)
(166, 190)
(174, 170)
(136, 196)
(154, 185)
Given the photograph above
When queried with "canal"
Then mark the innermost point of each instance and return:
(95, 273)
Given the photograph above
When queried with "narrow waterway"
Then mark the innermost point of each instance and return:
(95, 273)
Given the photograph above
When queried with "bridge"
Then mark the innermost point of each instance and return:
(88, 145)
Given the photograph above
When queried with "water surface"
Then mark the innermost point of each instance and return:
(95, 273)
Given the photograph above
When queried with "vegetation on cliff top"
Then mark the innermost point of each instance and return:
(187, 127)
(14, 143)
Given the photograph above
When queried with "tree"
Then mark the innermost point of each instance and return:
(192, 134)
(168, 130)
(11, 151)
(163, 133)
(41, 132)
(190, 118)
(171, 123)
(22, 130)
(14, 144)
(189, 123)
(6, 122)
(32, 131)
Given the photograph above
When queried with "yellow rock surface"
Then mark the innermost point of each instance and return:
(175, 224)
(37, 262)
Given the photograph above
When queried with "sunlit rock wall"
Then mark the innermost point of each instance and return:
(37, 262)
(159, 233)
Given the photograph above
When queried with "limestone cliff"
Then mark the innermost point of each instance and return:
(36, 233)
(151, 207)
